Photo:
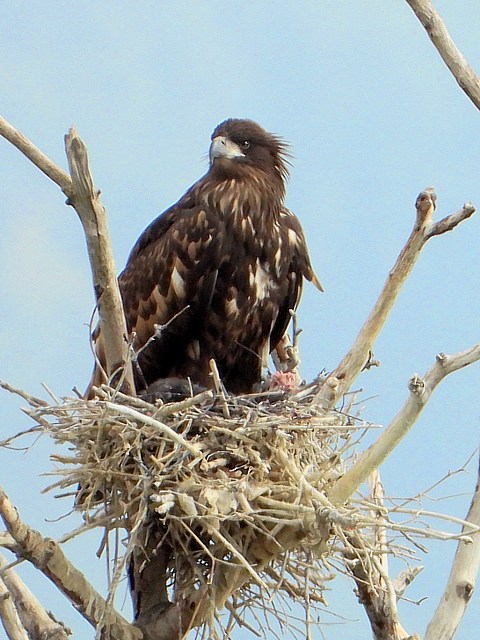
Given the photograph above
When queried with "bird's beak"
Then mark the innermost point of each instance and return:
(222, 147)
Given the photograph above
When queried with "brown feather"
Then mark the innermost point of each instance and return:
(220, 270)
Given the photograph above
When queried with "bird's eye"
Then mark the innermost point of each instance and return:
(245, 144)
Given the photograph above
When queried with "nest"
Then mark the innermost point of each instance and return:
(235, 488)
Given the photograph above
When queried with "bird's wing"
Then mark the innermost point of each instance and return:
(173, 265)
(298, 267)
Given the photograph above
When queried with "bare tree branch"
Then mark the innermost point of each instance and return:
(451, 55)
(48, 557)
(405, 579)
(32, 615)
(39, 159)
(420, 391)
(354, 361)
(367, 561)
(9, 616)
(86, 201)
(450, 222)
(461, 582)
(83, 196)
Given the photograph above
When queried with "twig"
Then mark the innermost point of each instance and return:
(32, 400)
(352, 364)
(48, 557)
(219, 388)
(405, 579)
(451, 55)
(420, 392)
(160, 426)
(461, 582)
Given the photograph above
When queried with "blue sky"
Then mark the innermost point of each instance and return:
(373, 117)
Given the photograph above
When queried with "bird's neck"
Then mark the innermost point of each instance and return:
(239, 197)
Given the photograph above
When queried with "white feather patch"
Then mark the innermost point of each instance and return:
(231, 307)
(177, 283)
(263, 281)
(292, 237)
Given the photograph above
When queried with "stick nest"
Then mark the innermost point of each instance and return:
(229, 494)
(234, 486)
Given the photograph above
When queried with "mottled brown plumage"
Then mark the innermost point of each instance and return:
(220, 270)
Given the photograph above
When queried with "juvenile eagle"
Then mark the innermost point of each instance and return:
(216, 274)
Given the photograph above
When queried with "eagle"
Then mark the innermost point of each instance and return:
(218, 274)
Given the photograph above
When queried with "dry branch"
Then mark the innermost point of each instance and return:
(39, 159)
(86, 201)
(9, 615)
(31, 614)
(83, 196)
(367, 561)
(420, 391)
(48, 557)
(354, 361)
(375, 591)
(451, 55)
(461, 582)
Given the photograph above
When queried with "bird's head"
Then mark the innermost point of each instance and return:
(241, 145)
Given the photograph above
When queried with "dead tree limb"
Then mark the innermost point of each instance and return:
(354, 361)
(421, 390)
(32, 616)
(85, 199)
(9, 615)
(367, 562)
(48, 557)
(463, 73)
(461, 582)
(366, 559)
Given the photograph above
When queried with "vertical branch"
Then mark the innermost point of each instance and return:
(461, 582)
(86, 201)
(83, 196)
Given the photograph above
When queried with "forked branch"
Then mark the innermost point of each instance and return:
(83, 196)
(86, 201)
(355, 360)
(420, 391)
(47, 555)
